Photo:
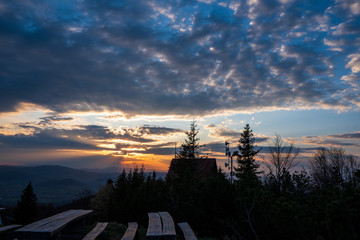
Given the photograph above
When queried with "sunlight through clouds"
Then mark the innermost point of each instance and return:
(124, 79)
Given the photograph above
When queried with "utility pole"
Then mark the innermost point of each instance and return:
(175, 152)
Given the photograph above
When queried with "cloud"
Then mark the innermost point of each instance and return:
(51, 119)
(334, 143)
(346, 7)
(354, 63)
(332, 140)
(231, 134)
(355, 135)
(42, 141)
(156, 130)
(352, 79)
(215, 147)
(175, 58)
(161, 151)
(90, 137)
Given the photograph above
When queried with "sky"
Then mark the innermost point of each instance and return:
(114, 84)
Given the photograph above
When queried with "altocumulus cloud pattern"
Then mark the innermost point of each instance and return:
(161, 57)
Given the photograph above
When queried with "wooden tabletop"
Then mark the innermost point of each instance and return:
(168, 226)
(8, 228)
(51, 225)
(154, 230)
(188, 232)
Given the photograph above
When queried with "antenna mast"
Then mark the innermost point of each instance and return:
(175, 152)
(230, 157)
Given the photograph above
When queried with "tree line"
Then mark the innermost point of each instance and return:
(321, 203)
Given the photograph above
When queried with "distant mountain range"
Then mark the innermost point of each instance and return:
(52, 184)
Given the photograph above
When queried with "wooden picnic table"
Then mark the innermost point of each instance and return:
(154, 231)
(161, 226)
(1, 215)
(8, 228)
(69, 222)
(130, 231)
(188, 232)
(168, 226)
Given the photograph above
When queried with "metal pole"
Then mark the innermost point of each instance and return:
(231, 170)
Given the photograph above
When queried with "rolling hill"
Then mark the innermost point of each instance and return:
(52, 184)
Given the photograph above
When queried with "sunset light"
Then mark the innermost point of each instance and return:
(130, 89)
(239, 119)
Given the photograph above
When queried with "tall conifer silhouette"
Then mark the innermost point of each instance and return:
(26, 209)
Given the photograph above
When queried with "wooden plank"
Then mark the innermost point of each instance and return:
(50, 226)
(35, 225)
(96, 231)
(26, 230)
(130, 231)
(9, 228)
(168, 226)
(1, 210)
(61, 222)
(188, 232)
(154, 230)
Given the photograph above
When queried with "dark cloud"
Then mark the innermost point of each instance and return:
(222, 132)
(337, 143)
(331, 142)
(28, 126)
(50, 119)
(355, 135)
(161, 151)
(231, 134)
(261, 139)
(215, 147)
(156, 130)
(86, 137)
(219, 147)
(156, 149)
(42, 141)
(102, 132)
(171, 57)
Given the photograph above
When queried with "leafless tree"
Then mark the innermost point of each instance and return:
(333, 167)
(281, 158)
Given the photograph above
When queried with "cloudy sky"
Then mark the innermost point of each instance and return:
(99, 84)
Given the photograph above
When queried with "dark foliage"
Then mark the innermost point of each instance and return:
(324, 204)
(26, 209)
(247, 166)
(316, 206)
(191, 148)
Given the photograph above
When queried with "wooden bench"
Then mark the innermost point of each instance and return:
(6, 229)
(188, 232)
(168, 226)
(161, 226)
(70, 223)
(154, 230)
(96, 231)
(130, 231)
(1, 215)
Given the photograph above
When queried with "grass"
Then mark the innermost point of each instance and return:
(117, 230)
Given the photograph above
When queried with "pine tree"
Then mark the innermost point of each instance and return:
(248, 186)
(247, 167)
(190, 149)
(26, 209)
